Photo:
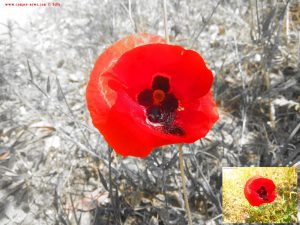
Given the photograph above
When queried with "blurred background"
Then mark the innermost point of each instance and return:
(55, 166)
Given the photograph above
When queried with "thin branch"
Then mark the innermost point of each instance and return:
(257, 18)
(72, 114)
(129, 11)
(184, 190)
(204, 25)
(73, 209)
(165, 21)
(244, 96)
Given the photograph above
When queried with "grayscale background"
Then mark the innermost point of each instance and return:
(55, 168)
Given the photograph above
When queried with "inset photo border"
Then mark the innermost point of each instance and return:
(259, 195)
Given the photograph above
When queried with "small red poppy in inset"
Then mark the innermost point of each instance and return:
(144, 93)
(259, 190)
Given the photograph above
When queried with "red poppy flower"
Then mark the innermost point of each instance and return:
(259, 190)
(144, 93)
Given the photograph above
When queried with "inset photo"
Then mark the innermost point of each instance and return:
(259, 195)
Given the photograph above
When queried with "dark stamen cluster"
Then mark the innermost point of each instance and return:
(161, 105)
(262, 192)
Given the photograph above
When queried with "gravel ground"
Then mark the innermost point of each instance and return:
(57, 169)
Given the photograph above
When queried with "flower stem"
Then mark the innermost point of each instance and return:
(165, 22)
(185, 195)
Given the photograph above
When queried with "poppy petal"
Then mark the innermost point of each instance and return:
(188, 75)
(130, 139)
(199, 118)
(99, 94)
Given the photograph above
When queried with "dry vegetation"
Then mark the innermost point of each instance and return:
(57, 169)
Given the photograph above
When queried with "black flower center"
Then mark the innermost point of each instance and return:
(155, 114)
(161, 105)
(262, 193)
